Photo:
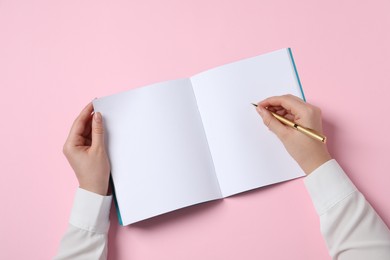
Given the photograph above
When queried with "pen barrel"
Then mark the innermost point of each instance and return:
(309, 132)
(312, 133)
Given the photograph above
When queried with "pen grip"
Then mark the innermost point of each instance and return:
(308, 132)
(312, 133)
(283, 120)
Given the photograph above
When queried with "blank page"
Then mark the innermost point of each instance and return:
(245, 153)
(160, 160)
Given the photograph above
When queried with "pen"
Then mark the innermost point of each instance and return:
(306, 131)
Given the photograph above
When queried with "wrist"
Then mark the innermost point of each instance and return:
(101, 190)
(313, 162)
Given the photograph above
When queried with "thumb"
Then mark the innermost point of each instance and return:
(271, 122)
(97, 130)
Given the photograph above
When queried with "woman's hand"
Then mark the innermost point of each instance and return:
(85, 151)
(309, 153)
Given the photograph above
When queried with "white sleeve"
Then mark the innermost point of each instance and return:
(350, 226)
(86, 236)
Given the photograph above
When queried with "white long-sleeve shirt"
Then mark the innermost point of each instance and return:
(86, 236)
(350, 226)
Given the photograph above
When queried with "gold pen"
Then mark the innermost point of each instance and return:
(306, 131)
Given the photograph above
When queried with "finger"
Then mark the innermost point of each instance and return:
(285, 113)
(88, 127)
(281, 112)
(97, 130)
(271, 122)
(289, 102)
(88, 142)
(81, 123)
(286, 101)
(290, 117)
(272, 109)
(275, 108)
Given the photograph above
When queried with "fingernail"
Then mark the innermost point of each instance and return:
(98, 117)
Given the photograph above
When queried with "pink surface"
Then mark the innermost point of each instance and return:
(56, 56)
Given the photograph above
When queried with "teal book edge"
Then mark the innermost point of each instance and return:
(296, 73)
(303, 96)
(118, 213)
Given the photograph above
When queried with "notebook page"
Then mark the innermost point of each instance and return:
(245, 153)
(160, 160)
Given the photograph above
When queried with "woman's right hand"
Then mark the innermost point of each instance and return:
(309, 153)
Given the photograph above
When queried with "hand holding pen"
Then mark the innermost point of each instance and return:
(308, 152)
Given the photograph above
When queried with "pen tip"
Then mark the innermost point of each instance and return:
(254, 104)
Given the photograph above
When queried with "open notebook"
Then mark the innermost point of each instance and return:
(182, 142)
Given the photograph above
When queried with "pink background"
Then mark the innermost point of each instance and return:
(56, 56)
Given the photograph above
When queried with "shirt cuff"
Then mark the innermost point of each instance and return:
(328, 185)
(91, 211)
